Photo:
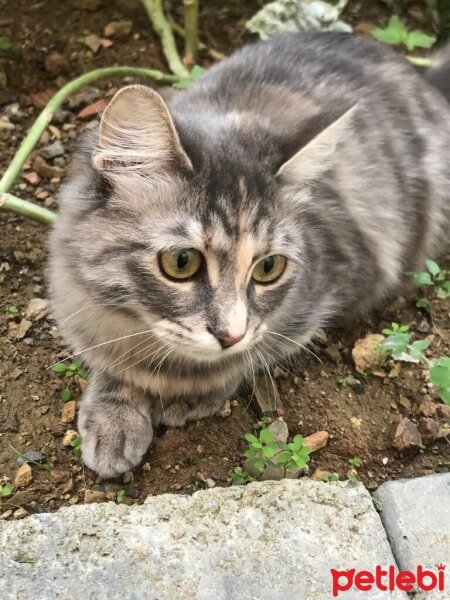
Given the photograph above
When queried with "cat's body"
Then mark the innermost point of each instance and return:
(328, 151)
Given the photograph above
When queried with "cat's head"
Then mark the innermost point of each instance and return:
(199, 228)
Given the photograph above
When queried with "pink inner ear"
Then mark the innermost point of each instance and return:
(137, 132)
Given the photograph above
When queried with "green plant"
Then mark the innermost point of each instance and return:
(240, 477)
(397, 340)
(13, 310)
(5, 490)
(70, 370)
(440, 377)
(66, 394)
(329, 477)
(120, 498)
(434, 277)
(76, 444)
(263, 450)
(354, 464)
(5, 42)
(396, 33)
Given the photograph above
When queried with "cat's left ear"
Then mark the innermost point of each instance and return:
(316, 157)
(137, 133)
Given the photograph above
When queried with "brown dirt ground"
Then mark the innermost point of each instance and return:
(179, 460)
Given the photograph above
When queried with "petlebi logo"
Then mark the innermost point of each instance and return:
(388, 579)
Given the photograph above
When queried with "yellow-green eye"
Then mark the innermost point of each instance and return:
(269, 268)
(181, 264)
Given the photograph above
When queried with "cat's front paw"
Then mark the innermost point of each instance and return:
(114, 438)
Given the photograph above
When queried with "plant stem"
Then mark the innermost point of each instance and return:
(191, 32)
(26, 209)
(419, 61)
(215, 54)
(162, 27)
(29, 209)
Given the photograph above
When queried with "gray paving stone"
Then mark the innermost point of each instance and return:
(416, 516)
(265, 541)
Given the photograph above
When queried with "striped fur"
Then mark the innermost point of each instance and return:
(325, 148)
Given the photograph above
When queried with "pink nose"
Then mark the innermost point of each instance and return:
(224, 338)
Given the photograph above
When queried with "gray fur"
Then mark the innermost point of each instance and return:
(352, 215)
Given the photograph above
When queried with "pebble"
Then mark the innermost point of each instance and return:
(118, 28)
(280, 431)
(24, 476)
(14, 112)
(317, 440)
(423, 326)
(19, 330)
(46, 171)
(37, 309)
(6, 124)
(355, 384)
(444, 411)
(20, 513)
(32, 178)
(429, 429)
(93, 42)
(426, 408)
(69, 436)
(6, 515)
(210, 482)
(407, 439)
(93, 496)
(332, 353)
(54, 62)
(31, 455)
(225, 411)
(364, 352)
(85, 96)
(68, 411)
(321, 336)
(52, 150)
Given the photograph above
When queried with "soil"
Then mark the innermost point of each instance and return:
(315, 392)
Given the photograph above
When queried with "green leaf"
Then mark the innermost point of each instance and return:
(422, 278)
(432, 267)
(396, 344)
(394, 33)
(443, 290)
(250, 452)
(5, 42)
(444, 395)
(268, 451)
(13, 310)
(74, 365)
(418, 39)
(5, 490)
(266, 436)
(297, 442)
(417, 348)
(66, 394)
(440, 372)
(423, 303)
(250, 438)
(59, 368)
(259, 464)
(284, 457)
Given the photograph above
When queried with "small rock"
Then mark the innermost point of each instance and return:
(444, 411)
(332, 353)
(40, 99)
(68, 412)
(407, 439)
(429, 429)
(146, 467)
(317, 440)
(398, 304)
(14, 112)
(210, 483)
(444, 432)
(225, 411)
(37, 309)
(320, 475)
(54, 63)
(18, 331)
(118, 28)
(20, 498)
(385, 460)
(60, 476)
(426, 408)
(16, 373)
(357, 423)
(405, 402)
(128, 477)
(32, 178)
(278, 373)
(31, 455)
(280, 431)
(52, 150)
(24, 476)
(20, 513)
(93, 42)
(365, 354)
(91, 496)
(93, 110)
(6, 124)
(355, 384)
(46, 171)
(69, 436)
(6, 515)
(423, 326)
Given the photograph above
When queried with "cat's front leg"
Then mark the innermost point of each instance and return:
(115, 426)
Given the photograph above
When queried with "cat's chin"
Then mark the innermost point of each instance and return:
(203, 356)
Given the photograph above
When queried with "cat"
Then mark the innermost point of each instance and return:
(293, 185)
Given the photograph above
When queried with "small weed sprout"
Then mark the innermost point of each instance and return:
(263, 450)
(120, 498)
(76, 444)
(70, 370)
(397, 34)
(434, 277)
(354, 464)
(240, 477)
(329, 477)
(13, 310)
(5, 490)
(440, 378)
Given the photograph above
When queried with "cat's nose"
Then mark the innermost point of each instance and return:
(224, 338)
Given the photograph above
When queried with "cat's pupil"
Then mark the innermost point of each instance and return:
(182, 260)
(268, 264)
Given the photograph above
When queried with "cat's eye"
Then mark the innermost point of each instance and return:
(269, 268)
(181, 264)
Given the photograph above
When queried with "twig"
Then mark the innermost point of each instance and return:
(162, 27)
(29, 209)
(215, 54)
(191, 32)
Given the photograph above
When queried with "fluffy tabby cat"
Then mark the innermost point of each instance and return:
(294, 184)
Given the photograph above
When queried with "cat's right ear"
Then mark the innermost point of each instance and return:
(137, 134)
